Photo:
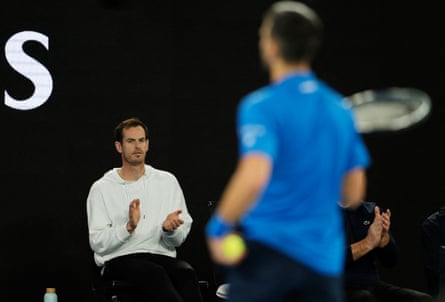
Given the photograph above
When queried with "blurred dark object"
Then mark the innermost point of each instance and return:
(433, 246)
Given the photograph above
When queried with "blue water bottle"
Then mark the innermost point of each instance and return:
(50, 295)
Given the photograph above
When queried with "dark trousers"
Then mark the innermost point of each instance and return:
(267, 275)
(384, 292)
(158, 277)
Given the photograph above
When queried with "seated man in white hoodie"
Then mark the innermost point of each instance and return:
(137, 217)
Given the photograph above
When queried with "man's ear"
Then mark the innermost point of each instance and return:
(118, 146)
(274, 48)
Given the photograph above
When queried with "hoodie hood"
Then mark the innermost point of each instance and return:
(114, 177)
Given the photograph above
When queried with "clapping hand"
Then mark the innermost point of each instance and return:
(386, 224)
(172, 222)
(134, 215)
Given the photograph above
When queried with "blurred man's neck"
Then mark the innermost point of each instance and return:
(281, 69)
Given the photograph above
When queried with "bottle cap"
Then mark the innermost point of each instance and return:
(50, 290)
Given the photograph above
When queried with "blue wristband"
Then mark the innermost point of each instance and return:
(217, 227)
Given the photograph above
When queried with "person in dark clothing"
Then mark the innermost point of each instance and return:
(370, 240)
(433, 237)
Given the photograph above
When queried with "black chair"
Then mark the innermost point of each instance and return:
(124, 291)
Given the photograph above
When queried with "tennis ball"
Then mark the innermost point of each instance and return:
(233, 247)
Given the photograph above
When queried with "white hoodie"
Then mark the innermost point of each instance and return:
(108, 206)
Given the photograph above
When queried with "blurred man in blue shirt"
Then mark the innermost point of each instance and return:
(300, 154)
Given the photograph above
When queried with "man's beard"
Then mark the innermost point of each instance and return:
(135, 161)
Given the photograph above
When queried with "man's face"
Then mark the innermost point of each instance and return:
(134, 145)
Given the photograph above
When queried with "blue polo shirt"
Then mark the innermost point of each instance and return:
(307, 131)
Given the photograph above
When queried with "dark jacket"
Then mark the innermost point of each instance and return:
(433, 236)
(364, 272)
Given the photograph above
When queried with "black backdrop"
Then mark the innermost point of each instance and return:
(182, 66)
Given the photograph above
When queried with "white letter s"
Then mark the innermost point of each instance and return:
(30, 68)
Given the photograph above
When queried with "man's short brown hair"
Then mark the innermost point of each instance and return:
(129, 123)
